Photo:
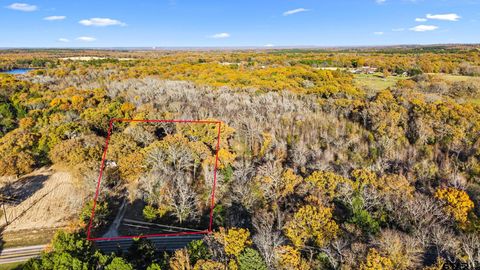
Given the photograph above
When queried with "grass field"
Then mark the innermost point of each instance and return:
(459, 78)
(375, 82)
(28, 237)
(454, 78)
(10, 266)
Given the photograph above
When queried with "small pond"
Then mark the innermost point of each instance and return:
(17, 71)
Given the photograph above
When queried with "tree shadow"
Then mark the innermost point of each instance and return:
(237, 215)
(20, 190)
(134, 222)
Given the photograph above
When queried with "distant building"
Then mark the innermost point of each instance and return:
(364, 70)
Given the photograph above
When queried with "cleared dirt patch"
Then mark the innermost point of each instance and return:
(42, 200)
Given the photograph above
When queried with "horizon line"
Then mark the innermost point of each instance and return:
(153, 48)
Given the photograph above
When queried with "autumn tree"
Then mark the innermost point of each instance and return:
(289, 258)
(312, 223)
(180, 260)
(327, 182)
(456, 202)
(404, 251)
(83, 153)
(233, 240)
(375, 261)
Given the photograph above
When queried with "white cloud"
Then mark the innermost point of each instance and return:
(55, 18)
(269, 45)
(86, 39)
(101, 22)
(380, 1)
(424, 28)
(420, 20)
(293, 11)
(22, 7)
(64, 40)
(398, 29)
(444, 17)
(220, 35)
(378, 33)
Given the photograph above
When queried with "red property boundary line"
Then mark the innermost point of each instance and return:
(102, 166)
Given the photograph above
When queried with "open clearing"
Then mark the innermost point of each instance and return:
(375, 81)
(454, 78)
(42, 202)
(459, 78)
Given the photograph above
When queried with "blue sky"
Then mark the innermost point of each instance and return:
(222, 23)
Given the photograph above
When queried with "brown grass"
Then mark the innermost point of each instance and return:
(53, 205)
(28, 237)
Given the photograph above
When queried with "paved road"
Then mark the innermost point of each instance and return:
(169, 243)
(21, 254)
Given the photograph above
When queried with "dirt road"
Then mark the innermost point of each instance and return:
(113, 229)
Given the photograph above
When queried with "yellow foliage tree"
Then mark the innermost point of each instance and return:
(312, 222)
(207, 133)
(200, 151)
(327, 182)
(232, 265)
(77, 102)
(234, 240)
(457, 203)
(364, 177)
(375, 261)
(208, 265)
(80, 153)
(127, 107)
(56, 102)
(121, 145)
(225, 158)
(26, 123)
(267, 140)
(289, 181)
(16, 152)
(131, 166)
(289, 258)
(396, 184)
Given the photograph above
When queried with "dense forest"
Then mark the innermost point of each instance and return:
(315, 171)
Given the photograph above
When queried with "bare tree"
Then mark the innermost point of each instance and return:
(170, 180)
(405, 251)
(183, 199)
(267, 238)
(471, 249)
